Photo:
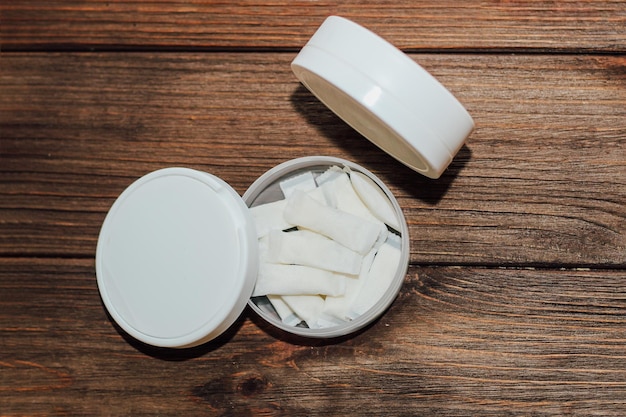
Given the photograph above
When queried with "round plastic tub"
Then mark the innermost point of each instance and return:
(266, 189)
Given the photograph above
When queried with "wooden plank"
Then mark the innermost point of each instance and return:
(457, 341)
(540, 182)
(572, 25)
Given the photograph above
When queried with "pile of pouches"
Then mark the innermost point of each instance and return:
(329, 250)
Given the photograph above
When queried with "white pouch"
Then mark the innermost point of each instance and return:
(374, 198)
(379, 277)
(302, 247)
(349, 230)
(269, 217)
(339, 190)
(282, 279)
(330, 174)
(340, 307)
(285, 313)
(307, 307)
(302, 182)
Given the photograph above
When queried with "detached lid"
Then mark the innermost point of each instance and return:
(177, 258)
(384, 95)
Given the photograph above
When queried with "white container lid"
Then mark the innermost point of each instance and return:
(177, 258)
(384, 95)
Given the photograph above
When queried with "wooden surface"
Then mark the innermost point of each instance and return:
(515, 300)
(461, 25)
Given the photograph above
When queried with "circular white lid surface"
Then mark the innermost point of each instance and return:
(177, 258)
(384, 95)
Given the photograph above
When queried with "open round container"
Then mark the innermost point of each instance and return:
(178, 255)
(266, 190)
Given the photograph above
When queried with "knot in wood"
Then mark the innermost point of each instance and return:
(252, 384)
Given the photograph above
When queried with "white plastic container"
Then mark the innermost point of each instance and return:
(266, 189)
(384, 95)
(177, 255)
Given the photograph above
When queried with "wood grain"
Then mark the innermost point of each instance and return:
(422, 25)
(541, 181)
(514, 303)
(457, 341)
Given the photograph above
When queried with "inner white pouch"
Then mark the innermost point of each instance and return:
(302, 182)
(297, 280)
(340, 307)
(303, 247)
(340, 193)
(307, 307)
(379, 277)
(268, 217)
(349, 230)
(374, 198)
(285, 313)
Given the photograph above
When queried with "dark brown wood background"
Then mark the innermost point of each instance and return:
(515, 300)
